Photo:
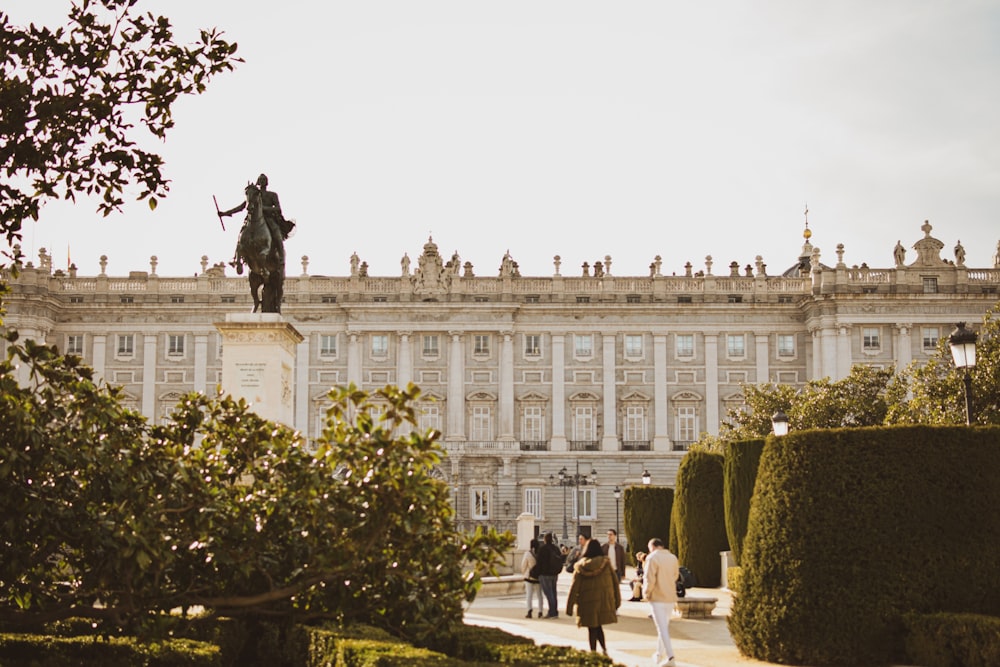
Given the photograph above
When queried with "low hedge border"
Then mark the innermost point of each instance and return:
(952, 640)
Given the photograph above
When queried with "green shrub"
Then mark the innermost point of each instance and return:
(52, 651)
(953, 640)
(647, 515)
(740, 474)
(699, 519)
(734, 577)
(850, 529)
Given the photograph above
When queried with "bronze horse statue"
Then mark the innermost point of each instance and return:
(264, 256)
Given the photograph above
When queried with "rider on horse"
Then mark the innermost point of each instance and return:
(276, 223)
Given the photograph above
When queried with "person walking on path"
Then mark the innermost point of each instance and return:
(615, 553)
(550, 562)
(529, 568)
(660, 588)
(595, 593)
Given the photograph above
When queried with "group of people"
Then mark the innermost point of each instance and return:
(595, 593)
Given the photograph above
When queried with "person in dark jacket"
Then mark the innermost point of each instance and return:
(550, 562)
(615, 553)
(595, 593)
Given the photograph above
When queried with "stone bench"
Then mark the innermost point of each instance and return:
(696, 607)
(506, 584)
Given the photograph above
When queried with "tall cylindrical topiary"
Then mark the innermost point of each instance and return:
(739, 474)
(647, 515)
(699, 516)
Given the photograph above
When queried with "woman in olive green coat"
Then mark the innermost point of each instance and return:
(595, 593)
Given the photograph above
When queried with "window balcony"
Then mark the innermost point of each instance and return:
(584, 445)
(636, 445)
(534, 445)
(682, 445)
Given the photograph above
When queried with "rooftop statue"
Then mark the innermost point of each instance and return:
(261, 246)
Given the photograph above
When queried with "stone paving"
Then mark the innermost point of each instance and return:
(632, 641)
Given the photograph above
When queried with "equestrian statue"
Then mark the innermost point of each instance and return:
(261, 245)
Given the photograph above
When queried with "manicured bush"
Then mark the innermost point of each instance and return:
(734, 577)
(953, 640)
(647, 515)
(850, 529)
(740, 474)
(699, 518)
(54, 651)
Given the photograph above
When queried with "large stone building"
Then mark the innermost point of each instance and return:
(525, 376)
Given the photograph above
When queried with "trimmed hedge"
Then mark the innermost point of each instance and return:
(55, 651)
(742, 459)
(647, 515)
(953, 640)
(851, 529)
(699, 523)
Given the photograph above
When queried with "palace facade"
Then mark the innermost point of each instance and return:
(525, 376)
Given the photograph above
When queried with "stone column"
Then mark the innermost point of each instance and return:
(558, 442)
(258, 364)
(149, 375)
(404, 370)
(829, 340)
(353, 358)
(456, 388)
(100, 355)
(661, 433)
(843, 352)
(506, 362)
(712, 383)
(903, 346)
(201, 365)
(763, 358)
(609, 442)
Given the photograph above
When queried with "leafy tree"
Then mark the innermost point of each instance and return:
(72, 96)
(222, 509)
(937, 391)
(863, 398)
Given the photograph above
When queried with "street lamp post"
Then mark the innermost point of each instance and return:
(779, 422)
(963, 351)
(565, 480)
(618, 495)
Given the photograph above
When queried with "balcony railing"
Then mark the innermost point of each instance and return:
(534, 445)
(636, 445)
(584, 445)
(682, 445)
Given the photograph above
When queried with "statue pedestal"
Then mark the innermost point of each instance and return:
(258, 363)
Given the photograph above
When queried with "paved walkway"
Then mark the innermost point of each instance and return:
(632, 640)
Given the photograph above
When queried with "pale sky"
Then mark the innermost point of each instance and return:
(576, 128)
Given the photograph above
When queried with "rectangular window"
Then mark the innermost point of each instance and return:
(430, 417)
(687, 424)
(328, 345)
(533, 501)
(735, 298)
(76, 299)
(481, 344)
(633, 298)
(380, 345)
(583, 299)
(633, 345)
(532, 345)
(786, 345)
(176, 298)
(430, 346)
(74, 344)
(532, 424)
(376, 412)
(736, 345)
(930, 285)
(127, 299)
(585, 507)
(931, 335)
(685, 345)
(583, 423)
(533, 298)
(175, 345)
(228, 299)
(871, 338)
(635, 423)
(480, 503)
(584, 345)
(126, 345)
(482, 423)
(328, 299)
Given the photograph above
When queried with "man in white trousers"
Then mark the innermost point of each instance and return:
(660, 588)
